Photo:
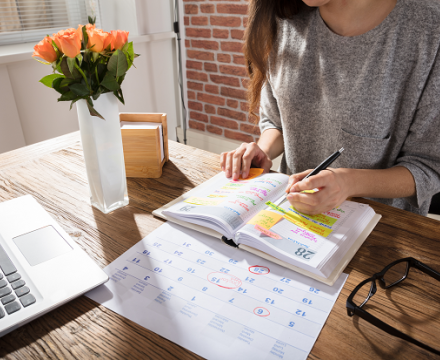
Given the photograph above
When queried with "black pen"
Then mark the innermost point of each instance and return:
(324, 165)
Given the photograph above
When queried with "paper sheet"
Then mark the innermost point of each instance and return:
(217, 301)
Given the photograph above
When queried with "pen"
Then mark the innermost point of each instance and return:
(324, 165)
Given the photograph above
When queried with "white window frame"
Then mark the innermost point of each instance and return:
(77, 13)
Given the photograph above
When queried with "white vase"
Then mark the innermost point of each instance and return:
(103, 153)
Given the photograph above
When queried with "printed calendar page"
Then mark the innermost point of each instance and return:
(215, 300)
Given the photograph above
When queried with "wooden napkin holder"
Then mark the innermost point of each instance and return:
(142, 149)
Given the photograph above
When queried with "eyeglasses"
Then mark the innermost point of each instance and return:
(391, 275)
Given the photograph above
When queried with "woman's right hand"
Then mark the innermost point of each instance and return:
(241, 159)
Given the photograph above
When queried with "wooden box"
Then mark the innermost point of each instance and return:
(142, 149)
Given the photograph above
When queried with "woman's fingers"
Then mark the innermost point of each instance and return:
(293, 179)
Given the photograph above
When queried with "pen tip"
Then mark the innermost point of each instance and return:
(341, 150)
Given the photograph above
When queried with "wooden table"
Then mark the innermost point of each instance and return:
(54, 173)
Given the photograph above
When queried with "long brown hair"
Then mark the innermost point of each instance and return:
(259, 37)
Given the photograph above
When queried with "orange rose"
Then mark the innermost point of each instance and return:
(88, 27)
(44, 50)
(119, 38)
(99, 38)
(68, 41)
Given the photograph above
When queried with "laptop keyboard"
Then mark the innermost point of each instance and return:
(14, 294)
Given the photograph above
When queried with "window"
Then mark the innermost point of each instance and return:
(31, 20)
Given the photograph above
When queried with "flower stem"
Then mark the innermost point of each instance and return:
(83, 75)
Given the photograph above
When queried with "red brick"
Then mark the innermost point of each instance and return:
(211, 99)
(205, 44)
(200, 55)
(224, 122)
(195, 105)
(214, 129)
(207, 8)
(237, 115)
(244, 106)
(187, 43)
(209, 109)
(198, 116)
(226, 80)
(195, 75)
(224, 58)
(232, 9)
(191, 9)
(245, 83)
(233, 70)
(245, 21)
(186, 20)
(199, 20)
(191, 95)
(232, 103)
(229, 21)
(232, 46)
(220, 34)
(210, 67)
(251, 129)
(194, 65)
(238, 136)
(213, 89)
(195, 86)
(203, 33)
(196, 125)
(239, 59)
(237, 34)
(234, 93)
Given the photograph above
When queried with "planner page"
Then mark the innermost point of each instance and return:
(230, 204)
(215, 300)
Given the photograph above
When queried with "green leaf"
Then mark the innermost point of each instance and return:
(98, 92)
(85, 37)
(80, 58)
(117, 64)
(119, 95)
(92, 20)
(59, 86)
(71, 64)
(73, 102)
(67, 96)
(79, 89)
(92, 110)
(48, 80)
(110, 82)
(129, 53)
(67, 73)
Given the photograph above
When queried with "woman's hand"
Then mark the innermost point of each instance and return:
(333, 186)
(241, 159)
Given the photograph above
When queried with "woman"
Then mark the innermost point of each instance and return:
(363, 75)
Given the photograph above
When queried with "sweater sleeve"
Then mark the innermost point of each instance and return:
(269, 112)
(420, 153)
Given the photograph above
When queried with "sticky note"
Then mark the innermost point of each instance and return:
(327, 220)
(267, 232)
(307, 224)
(253, 173)
(203, 201)
(265, 219)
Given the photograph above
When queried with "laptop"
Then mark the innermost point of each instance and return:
(41, 267)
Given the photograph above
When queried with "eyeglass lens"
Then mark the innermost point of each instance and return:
(396, 273)
(361, 296)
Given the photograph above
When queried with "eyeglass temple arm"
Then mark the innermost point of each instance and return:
(391, 330)
(427, 270)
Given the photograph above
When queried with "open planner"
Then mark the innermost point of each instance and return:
(249, 214)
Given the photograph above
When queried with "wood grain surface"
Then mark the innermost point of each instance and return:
(54, 173)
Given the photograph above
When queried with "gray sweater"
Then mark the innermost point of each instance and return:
(376, 94)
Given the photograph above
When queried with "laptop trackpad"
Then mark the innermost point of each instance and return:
(41, 245)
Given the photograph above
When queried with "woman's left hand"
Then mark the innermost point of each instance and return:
(333, 186)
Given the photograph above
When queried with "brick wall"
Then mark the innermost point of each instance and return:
(215, 71)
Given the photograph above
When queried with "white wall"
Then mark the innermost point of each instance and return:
(29, 111)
